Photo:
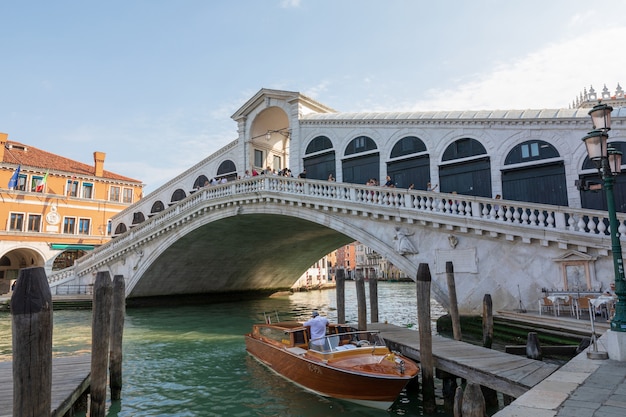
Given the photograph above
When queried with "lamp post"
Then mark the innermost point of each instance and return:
(608, 161)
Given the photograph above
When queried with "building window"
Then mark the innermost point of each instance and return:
(83, 226)
(21, 183)
(35, 180)
(277, 166)
(258, 158)
(87, 191)
(71, 188)
(16, 222)
(128, 195)
(34, 223)
(114, 193)
(69, 225)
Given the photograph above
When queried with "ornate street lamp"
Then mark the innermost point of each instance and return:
(608, 161)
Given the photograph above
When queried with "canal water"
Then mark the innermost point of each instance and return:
(191, 360)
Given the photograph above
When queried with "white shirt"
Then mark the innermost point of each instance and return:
(318, 329)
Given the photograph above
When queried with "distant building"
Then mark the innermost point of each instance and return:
(54, 208)
(315, 277)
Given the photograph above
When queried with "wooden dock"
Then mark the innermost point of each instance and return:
(70, 380)
(509, 374)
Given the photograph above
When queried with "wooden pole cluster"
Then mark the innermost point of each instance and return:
(31, 311)
(100, 336)
(340, 289)
(426, 339)
(373, 286)
(360, 300)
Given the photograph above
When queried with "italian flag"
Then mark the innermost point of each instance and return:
(42, 184)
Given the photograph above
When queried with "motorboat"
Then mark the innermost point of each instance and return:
(350, 365)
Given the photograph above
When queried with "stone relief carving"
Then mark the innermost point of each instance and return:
(403, 245)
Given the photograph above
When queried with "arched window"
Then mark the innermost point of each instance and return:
(406, 146)
(541, 182)
(138, 217)
(463, 148)
(121, 228)
(469, 177)
(532, 150)
(596, 199)
(201, 181)
(157, 206)
(320, 160)
(360, 164)
(178, 195)
(360, 144)
(227, 169)
(406, 167)
(318, 144)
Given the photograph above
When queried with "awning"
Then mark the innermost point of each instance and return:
(63, 246)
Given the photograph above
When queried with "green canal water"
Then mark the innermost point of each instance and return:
(191, 360)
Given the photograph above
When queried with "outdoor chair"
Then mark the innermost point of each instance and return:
(545, 304)
(583, 306)
(567, 304)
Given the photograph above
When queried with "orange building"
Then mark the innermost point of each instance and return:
(53, 208)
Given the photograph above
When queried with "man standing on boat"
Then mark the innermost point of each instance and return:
(317, 324)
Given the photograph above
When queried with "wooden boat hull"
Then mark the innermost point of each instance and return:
(344, 378)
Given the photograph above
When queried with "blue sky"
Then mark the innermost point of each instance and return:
(153, 83)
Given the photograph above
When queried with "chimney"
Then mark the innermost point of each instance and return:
(98, 158)
(4, 137)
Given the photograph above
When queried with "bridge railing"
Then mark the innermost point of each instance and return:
(411, 203)
(566, 219)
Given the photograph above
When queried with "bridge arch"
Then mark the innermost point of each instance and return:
(263, 246)
(15, 259)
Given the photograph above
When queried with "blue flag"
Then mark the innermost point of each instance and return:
(14, 178)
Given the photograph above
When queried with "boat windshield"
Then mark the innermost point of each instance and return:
(345, 340)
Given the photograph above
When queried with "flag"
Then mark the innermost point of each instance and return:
(14, 178)
(42, 184)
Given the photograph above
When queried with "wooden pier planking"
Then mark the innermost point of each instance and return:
(509, 374)
(70, 379)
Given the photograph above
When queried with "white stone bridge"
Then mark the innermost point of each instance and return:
(262, 233)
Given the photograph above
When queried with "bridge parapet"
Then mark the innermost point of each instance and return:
(512, 220)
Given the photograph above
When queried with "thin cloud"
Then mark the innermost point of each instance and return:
(549, 78)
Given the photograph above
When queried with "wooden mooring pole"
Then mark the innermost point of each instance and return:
(31, 311)
(100, 337)
(454, 306)
(373, 286)
(360, 300)
(340, 289)
(426, 338)
(490, 395)
(118, 312)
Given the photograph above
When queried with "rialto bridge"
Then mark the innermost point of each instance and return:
(263, 232)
